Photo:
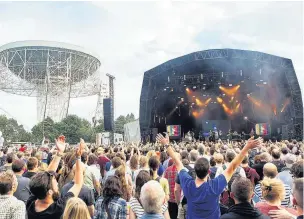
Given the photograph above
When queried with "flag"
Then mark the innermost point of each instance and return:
(262, 129)
(173, 130)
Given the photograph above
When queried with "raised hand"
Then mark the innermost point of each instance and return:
(60, 143)
(163, 140)
(253, 143)
(80, 149)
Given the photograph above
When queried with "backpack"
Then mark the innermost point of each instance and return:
(191, 171)
(225, 198)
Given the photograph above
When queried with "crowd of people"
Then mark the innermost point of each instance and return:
(198, 180)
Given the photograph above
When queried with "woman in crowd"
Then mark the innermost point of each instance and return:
(125, 182)
(136, 210)
(67, 174)
(93, 164)
(111, 204)
(133, 167)
(154, 165)
(41, 165)
(76, 209)
(273, 192)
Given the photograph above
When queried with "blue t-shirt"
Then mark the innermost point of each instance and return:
(161, 170)
(203, 201)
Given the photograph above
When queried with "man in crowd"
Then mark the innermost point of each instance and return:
(241, 193)
(102, 160)
(22, 193)
(264, 158)
(116, 162)
(152, 197)
(10, 206)
(32, 167)
(276, 159)
(251, 173)
(270, 171)
(9, 161)
(22, 148)
(45, 202)
(203, 194)
(285, 174)
(230, 155)
(170, 175)
(3, 157)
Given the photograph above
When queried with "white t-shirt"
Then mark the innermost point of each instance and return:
(220, 170)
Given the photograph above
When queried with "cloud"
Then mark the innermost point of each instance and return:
(132, 37)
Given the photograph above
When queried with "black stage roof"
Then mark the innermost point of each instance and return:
(270, 79)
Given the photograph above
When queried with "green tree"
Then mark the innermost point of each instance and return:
(121, 121)
(12, 131)
(46, 128)
(74, 128)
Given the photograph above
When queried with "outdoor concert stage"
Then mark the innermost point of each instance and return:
(222, 89)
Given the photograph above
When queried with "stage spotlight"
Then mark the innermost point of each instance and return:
(194, 87)
(248, 95)
(264, 82)
(182, 99)
(220, 100)
(185, 85)
(230, 85)
(165, 89)
(187, 89)
(245, 118)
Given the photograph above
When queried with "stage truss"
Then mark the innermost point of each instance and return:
(53, 74)
(293, 120)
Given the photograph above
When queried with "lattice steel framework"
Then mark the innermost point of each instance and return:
(149, 90)
(52, 72)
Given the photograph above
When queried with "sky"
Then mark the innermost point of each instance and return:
(133, 37)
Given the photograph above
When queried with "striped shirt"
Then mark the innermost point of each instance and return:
(285, 202)
(138, 209)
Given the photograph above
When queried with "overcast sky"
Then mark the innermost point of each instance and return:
(133, 37)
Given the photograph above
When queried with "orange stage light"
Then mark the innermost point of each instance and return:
(230, 91)
(287, 101)
(219, 100)
(207, 101)
(253, 100)
(199, 102)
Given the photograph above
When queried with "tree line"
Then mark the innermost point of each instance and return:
(72, 127)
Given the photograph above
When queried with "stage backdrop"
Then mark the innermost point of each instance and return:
(223, 125)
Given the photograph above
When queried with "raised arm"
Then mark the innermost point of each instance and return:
(78, 178)
(60, 147)
(165, 141)
(251, 143)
